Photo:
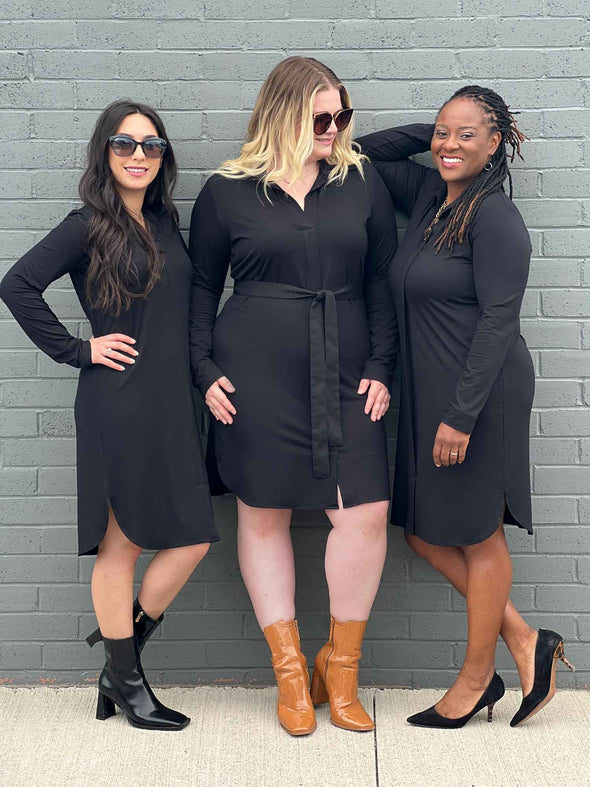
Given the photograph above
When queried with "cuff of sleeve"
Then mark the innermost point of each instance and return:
(459, 420)
(85, 353)
(377, 370)
(206, 375)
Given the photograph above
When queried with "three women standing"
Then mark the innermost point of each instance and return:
(297, 367)
(141, 475)
(296, 371)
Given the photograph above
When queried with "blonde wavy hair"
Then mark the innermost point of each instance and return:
(275, 148)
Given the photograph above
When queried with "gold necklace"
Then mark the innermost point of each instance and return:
(428, 230)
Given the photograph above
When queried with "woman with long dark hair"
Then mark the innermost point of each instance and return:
(141, 478)
(296, 369)
(462, 465)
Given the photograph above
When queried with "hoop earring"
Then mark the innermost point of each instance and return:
(488, 166)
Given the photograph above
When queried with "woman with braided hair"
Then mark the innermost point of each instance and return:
(462, 464)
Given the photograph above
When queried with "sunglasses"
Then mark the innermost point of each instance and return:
(323, 120)
(122, 145)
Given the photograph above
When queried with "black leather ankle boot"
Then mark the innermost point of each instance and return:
(123, 683)
(143, 627)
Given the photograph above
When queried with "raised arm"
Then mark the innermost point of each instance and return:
(501, 255)
(389, 150)
(382, 245)
(22, 289)
(209, 248)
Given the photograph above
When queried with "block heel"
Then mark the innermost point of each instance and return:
(318, 691)
(105, 707)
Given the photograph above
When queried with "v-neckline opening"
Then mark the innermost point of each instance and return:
(321, 171)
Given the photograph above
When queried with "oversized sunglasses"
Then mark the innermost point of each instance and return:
(323, 120)
(122, 145)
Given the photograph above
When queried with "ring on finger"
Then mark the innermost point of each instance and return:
(108, 350)
(454, 453)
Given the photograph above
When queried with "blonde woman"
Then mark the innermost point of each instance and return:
(297, 367)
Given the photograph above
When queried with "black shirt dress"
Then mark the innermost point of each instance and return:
(463, 359)
(310, 316)
(138, 445)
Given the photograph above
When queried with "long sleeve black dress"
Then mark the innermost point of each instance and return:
(138, 445)
(310, 316)
(464, 361)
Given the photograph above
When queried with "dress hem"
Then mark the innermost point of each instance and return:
(315, 507)
(94, 550)
(463, 543)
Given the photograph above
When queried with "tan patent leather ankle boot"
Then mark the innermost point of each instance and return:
(335, 676)
(294, 706)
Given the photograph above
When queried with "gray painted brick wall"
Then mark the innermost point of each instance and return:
(201, 62)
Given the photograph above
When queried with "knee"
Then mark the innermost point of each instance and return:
(124, 551)
(416, 544)
(194, 553)
(374, 526)
(265, 525)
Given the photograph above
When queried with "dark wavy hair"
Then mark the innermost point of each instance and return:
(499, 118)
(113, 280)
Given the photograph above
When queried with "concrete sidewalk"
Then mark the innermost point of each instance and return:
(50, 737)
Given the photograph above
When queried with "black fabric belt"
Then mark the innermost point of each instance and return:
(324, 365)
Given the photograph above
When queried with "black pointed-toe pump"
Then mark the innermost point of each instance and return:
(432, 718)
(143, 627)
(122, 683)
(548, 650)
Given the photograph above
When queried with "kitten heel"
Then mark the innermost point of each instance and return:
(490, 711)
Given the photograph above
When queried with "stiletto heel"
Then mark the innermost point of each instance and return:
(105, 708)
(93, 638)
(318, 691)
(548, 651)
(432, 718)
(561, 656)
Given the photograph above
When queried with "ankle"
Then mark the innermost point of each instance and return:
(522, 641)
(476, 677)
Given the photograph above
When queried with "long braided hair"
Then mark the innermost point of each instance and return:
(498, 116)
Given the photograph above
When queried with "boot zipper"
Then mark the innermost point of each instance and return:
(332, 649)
(140, 614)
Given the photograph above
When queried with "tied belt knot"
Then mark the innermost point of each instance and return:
(324, 364)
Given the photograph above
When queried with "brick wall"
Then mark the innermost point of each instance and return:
(201, 63)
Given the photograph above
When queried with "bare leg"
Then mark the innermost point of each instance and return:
(515, 631)
(265, 553)
(114, 572)
(489, 576)
(166, 574)
(355, 554)
(112, 582)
